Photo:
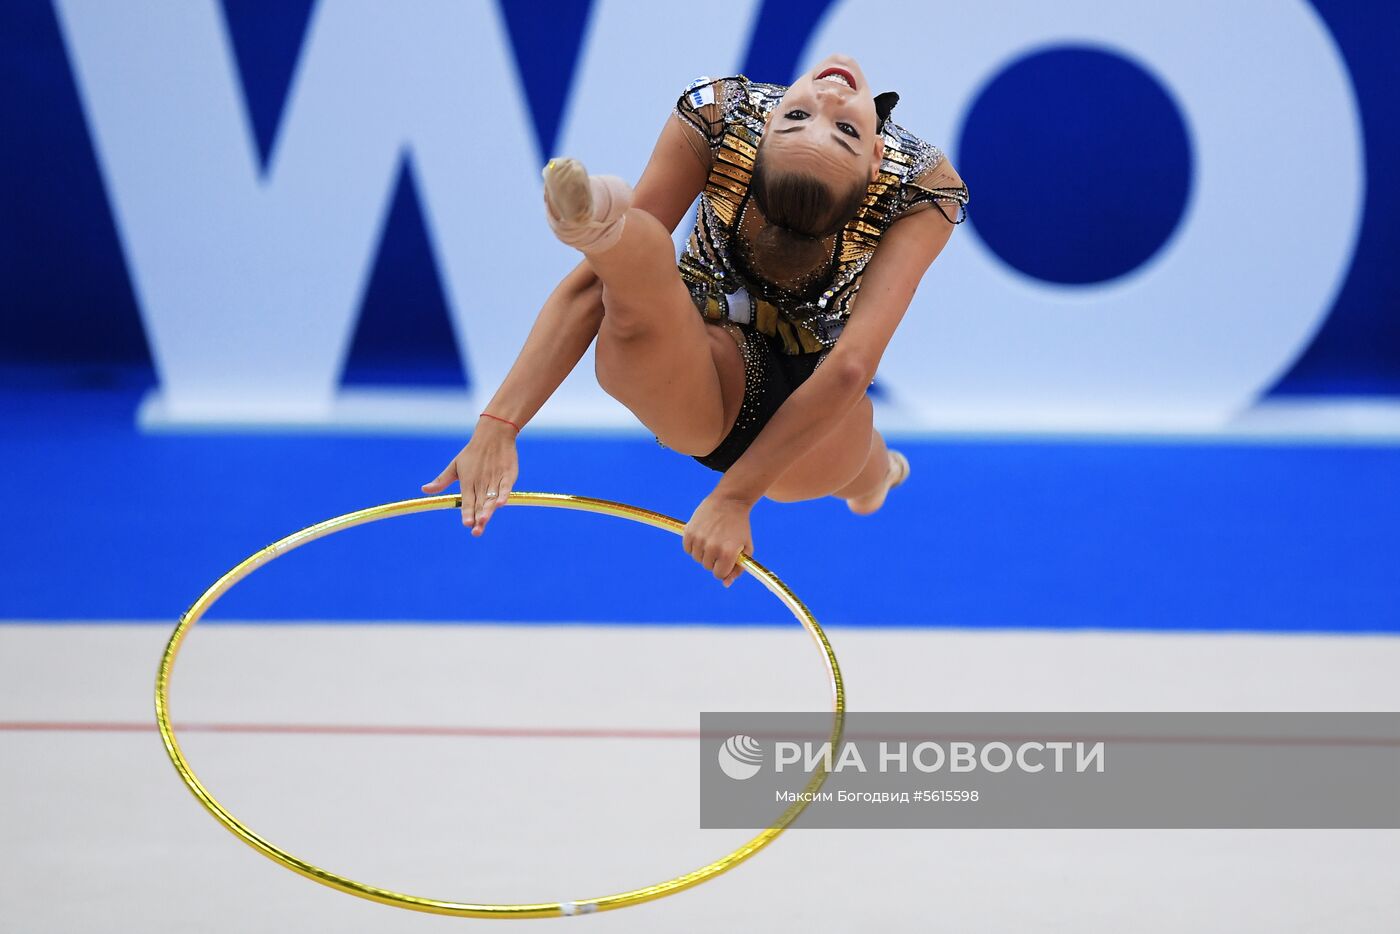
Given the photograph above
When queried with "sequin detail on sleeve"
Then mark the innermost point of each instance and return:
(923, 158)
(700, 107)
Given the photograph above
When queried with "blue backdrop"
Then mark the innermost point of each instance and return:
(104, 522)
(67, 297)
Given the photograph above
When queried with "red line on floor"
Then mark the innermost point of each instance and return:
(506, 732)
(334, 729)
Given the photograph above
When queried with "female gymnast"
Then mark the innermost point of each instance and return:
(816, 221)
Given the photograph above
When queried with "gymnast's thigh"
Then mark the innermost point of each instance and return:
(684, 382)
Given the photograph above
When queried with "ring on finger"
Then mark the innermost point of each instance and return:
(490, 494)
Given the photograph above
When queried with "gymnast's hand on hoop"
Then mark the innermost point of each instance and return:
(486, 469)
(716, 532)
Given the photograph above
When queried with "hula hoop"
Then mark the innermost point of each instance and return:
(464, 909)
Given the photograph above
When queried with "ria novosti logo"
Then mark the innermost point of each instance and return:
(741, 757)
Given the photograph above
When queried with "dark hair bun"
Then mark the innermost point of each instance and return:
(884, 105)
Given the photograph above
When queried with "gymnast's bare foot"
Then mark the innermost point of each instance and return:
(897, 474)
(585, 211)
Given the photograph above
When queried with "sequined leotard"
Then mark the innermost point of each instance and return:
(784, 331)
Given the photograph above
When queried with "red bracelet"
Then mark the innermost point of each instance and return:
(506, 420)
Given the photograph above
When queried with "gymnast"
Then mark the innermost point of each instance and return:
(818, 215)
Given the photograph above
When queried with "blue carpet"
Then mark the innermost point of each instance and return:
(102, 522)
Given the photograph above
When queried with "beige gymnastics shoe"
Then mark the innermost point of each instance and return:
(587, 212)
(898, 473)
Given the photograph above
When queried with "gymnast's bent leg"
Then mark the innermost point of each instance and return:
(655, 354)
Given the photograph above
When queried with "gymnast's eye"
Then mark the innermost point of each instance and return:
(848, 130)
(796, 114)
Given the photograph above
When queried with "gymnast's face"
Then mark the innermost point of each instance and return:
(825, 124)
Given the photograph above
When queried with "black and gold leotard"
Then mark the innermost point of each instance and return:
(728, 114)
(784, 331)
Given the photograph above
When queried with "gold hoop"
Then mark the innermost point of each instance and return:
(462, 909)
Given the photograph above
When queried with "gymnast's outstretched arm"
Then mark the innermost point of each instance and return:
(567, 323)
(565, 326)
